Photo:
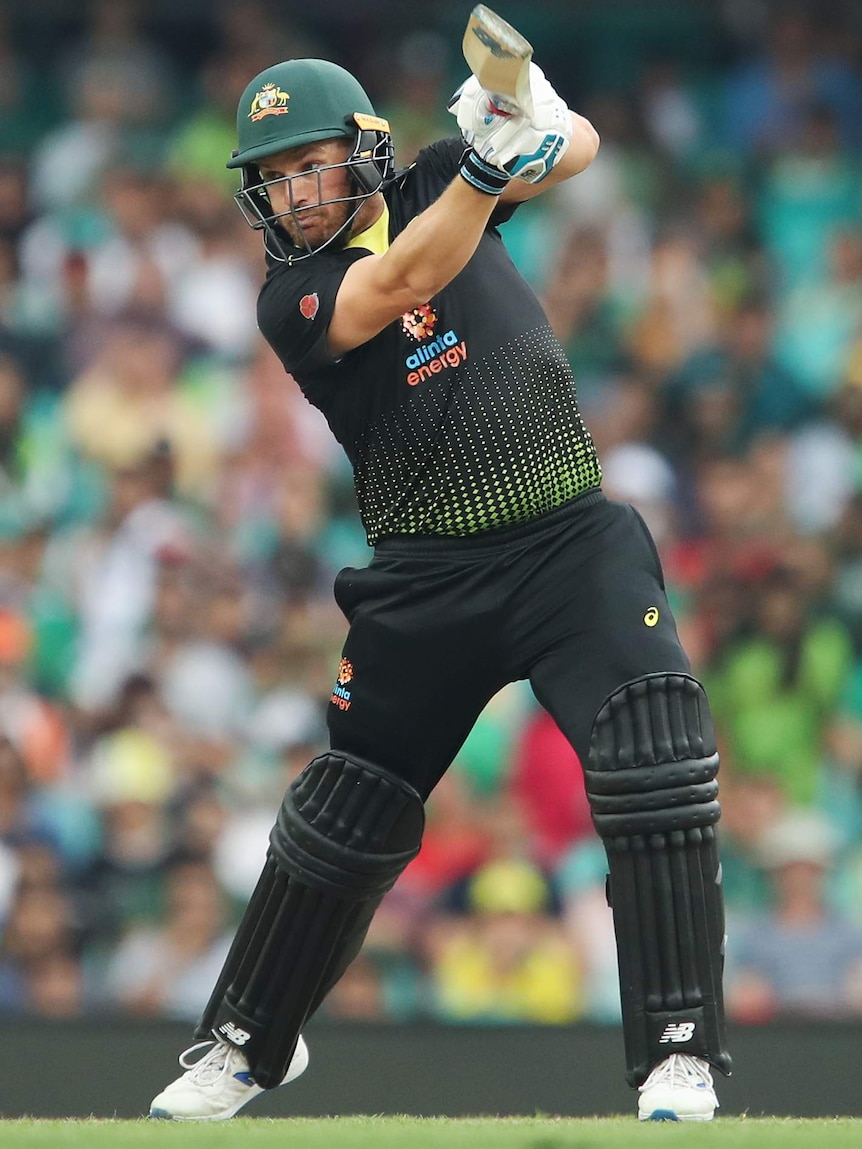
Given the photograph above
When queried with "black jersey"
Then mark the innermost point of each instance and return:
(459, 417)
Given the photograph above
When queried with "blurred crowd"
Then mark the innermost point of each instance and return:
(172, 515)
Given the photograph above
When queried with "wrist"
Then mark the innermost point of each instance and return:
(481, 175)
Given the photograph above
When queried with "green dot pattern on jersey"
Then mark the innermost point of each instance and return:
(493, 445)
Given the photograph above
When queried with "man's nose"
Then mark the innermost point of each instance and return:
(301, 190)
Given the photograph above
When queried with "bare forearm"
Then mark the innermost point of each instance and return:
(427, 255)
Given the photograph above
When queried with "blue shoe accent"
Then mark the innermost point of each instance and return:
(161, 1115)
(245, 1078)
(662, 1115)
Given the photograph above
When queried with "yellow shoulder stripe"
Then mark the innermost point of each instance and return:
(375, 238)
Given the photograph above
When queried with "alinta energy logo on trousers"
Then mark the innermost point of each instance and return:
(434, 353)
(340, 694)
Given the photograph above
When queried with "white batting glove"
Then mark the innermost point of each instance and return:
(542, 91)
(550, 111)
(525, 148)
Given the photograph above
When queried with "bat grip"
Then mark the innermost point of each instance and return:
(510, 106)
(502, 105)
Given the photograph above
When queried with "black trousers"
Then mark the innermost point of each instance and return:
(574, 602)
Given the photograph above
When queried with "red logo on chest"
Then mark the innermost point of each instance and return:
(308, 305)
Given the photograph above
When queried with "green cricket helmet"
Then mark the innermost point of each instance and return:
(293, 104)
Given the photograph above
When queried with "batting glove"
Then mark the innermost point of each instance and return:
(525, 148)
(545, 99)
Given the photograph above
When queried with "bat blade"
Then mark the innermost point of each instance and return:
(499, 57)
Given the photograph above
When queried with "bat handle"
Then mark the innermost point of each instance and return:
(502, 105)
(506, 106)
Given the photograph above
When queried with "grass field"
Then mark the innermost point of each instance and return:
(437, 1133)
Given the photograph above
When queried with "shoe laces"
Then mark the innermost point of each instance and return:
(212, 1066)
(680, 1069)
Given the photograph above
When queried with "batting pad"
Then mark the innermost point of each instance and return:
(345, 831)
(653, 794)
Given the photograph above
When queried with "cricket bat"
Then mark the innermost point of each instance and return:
(499, 57)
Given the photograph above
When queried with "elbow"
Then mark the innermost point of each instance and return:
(584, 145)
(594, 140)
(423, 290)
(416, 287)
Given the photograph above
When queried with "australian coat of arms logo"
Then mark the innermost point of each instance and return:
(269, 101)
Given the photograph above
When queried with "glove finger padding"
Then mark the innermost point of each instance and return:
(525, 149)
(517, 147)
(454, 99)
(472, 107)
(477, 100)
(538, 153)
(541, 89)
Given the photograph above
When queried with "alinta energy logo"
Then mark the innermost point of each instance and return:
(340, 693)
(434, 353)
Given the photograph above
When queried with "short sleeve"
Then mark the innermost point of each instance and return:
(440, 161)
(295, 306)
(438, 165)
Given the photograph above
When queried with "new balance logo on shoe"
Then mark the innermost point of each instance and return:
(237, 1036)
(677, 1032)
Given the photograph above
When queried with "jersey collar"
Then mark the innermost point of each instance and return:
(375, 238)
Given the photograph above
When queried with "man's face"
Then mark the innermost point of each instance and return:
(307, 190)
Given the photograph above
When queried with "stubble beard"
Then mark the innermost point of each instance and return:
(298, 237)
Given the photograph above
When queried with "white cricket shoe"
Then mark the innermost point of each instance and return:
(678, 1089)
(216, 1086)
